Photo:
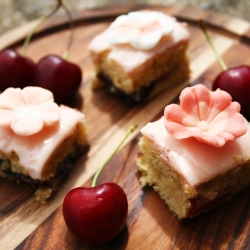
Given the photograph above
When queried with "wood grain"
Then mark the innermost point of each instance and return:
(25, 224)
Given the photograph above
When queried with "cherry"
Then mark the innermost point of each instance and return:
(15, 71)
(59, 76)
(97, 214)
(56, 74)
(235, 81)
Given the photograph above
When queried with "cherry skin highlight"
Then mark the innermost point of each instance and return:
(61, 77)
(15, 71)
(97, 214)
(236, 81)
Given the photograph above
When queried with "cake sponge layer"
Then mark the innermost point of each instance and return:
(183, 199)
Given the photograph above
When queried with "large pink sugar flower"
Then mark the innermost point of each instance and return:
(27, 111)
(210, 117)
(141, 29)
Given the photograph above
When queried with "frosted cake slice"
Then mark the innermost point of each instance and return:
(39, 141)
(197, 155)
(141, 54)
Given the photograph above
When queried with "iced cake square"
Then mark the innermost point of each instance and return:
(39, 140)
(197, 155)
(141, 54)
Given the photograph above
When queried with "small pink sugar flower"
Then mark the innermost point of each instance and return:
(210, 117)
(141, 29)
(27, 111)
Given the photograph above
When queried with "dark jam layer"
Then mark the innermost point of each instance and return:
(202, 204)
(53, 183)
(132, 98)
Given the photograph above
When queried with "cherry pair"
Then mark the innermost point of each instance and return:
(52, 72)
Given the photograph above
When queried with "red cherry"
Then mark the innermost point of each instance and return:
(96, 215)
(59, 76)
(15, 71)
(236, 81)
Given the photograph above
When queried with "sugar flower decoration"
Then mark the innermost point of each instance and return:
(141, 29)
(210, 117)
(27, 111)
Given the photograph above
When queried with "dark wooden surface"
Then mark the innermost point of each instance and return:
(25, 224)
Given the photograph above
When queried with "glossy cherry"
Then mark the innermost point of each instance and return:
(57, 74)
(236, 81)
(96, 215)
(60, 76)
(15, 71)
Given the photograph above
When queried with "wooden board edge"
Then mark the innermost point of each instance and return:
(235, 26)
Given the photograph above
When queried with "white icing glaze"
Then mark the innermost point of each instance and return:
(195, 161)
(34, 150)
(129, 58)
(141, 29)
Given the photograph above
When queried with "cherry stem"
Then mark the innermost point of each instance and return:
(28, 38)
(68, 13)
(129, 131)
(59, 5)
(220, 60)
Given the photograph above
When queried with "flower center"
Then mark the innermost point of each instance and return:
(26, 111)
(203, 125)
(149, 27)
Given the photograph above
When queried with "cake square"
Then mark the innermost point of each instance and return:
(40, 140)
(204, 167)
(141, 54)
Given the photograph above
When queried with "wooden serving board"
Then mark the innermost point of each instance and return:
(25, 224)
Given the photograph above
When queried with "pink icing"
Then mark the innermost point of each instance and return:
(32, 125)
(141, 29)
(34, 150)
(210, 117)
(198, 162)
(130, 59)
(28, 111)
